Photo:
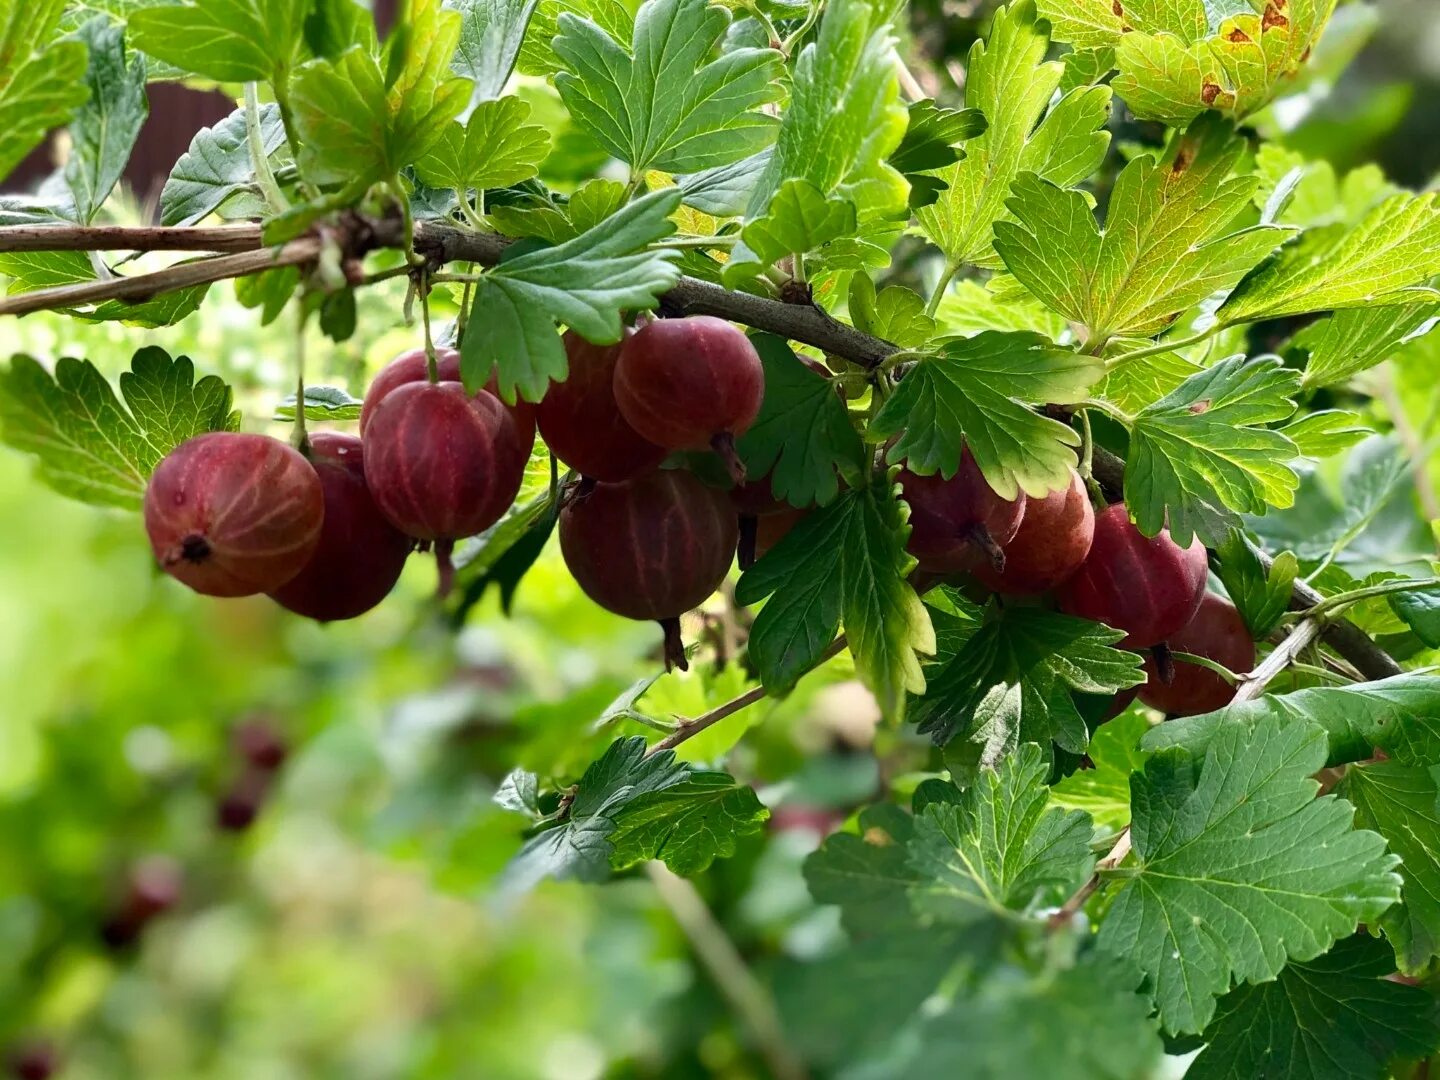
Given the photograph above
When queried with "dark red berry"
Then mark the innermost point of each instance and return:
(260, 744)
(360, 554)
(240, 805)
(443, 465)
(772, 528)
(689, 384)
(582, 425)
(1149, 587)
(958, 524)
(234, 515)
(1217, 632)
(650, 548)
(1053, 539)
(34, 1059)
(412, 366)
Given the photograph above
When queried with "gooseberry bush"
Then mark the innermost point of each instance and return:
(1016, 398)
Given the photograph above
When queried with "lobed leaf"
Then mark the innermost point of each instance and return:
(663, 104)
(1239, 868)
(977, 393)
(1200, 455)
(845, 561)
(584, 283)
(1011, 83)
(42, 81)
(91, 447)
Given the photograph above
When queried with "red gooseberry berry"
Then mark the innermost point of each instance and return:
(650, 548)
(360, 554)
(689, 384)
(1147, 586)
(234, 515)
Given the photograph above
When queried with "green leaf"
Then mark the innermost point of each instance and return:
(269, 290)
(1239, 868)
(579, 847)
(1400, 803)
(843, 120)
(665, 104)
(324, 403)
(801, 220)
(1201, 455)
(584, 283)
(502, 555)
(491, 35)
(866, 873)
(91, 447)
(227, 40)
(167, 309)
(1010, 82)
(520, 792)
(592, 203)
(42, 82)
(1356, 339)
(537, 55)
(1168, 243)
(1000, 848)
(216, 166)
(1326, 433)
(1400, 715)
(1179, 59)
(1386, 259)
(1316, 196)
(845, 561)
(933, 136)
(1012, 683)
(1103, 792)
(30, 270)
(104, 130)
(356, 126)
(1078, 1021)
(1337, 1017)
(803, 435)
(977, 393)
(1136, 384)
(896, 315)
(969, 308)
(1262, 596)
(687, 826)
(494, 148)
(1420, 611)
(725, 190)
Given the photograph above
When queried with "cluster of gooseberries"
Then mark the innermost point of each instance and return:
(327, 533)
(1097, 566)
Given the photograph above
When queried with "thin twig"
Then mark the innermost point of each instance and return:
(1077, 901)
(692, 728)
(221, 238)
(742, 991)
(171, 279)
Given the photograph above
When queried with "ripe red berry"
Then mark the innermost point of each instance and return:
(238, 808)
(1217, 632)
(772, 528)
(650, 548)
(360, 554)
(441, 464)
(234, 515)
(33, 1060)
(960, 523)
(412, 366)
(1053, 539)
(690, 384)
(1148, 587)
(260, 744)
(582, 425)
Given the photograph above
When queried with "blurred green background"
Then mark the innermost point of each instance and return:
(354, 929)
